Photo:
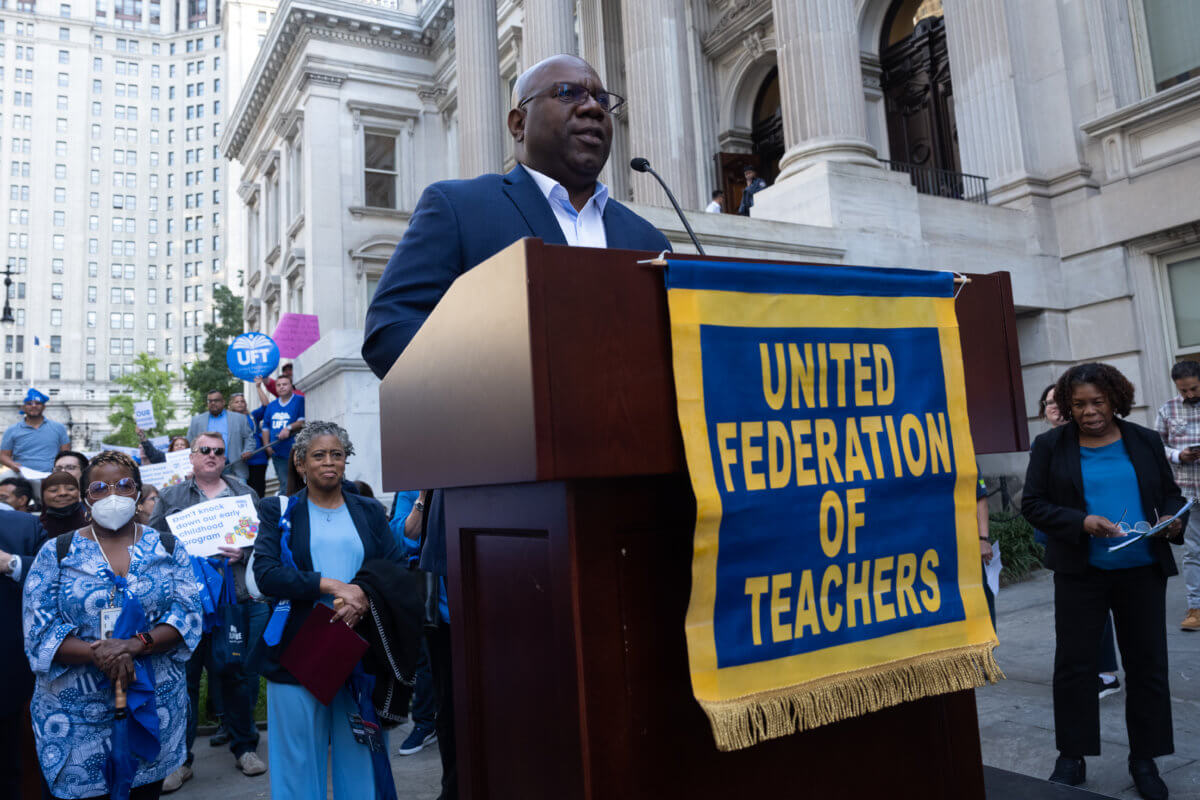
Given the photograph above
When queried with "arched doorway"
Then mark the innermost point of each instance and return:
(919, 96)
(768, 127)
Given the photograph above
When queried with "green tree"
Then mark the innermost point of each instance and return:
(211, 372)
(148, 381)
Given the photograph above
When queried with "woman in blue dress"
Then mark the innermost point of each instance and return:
(329, 534)
(76, 589)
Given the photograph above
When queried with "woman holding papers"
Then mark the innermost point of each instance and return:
(306, 555)
(112, 601)
(1089, 483)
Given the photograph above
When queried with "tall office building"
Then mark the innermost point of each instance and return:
(114, 194)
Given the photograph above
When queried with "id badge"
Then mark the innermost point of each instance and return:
(365, 732)
(108, 621)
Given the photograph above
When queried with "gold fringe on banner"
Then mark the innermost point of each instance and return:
(738, 724)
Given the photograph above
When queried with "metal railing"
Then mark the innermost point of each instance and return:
(943, 182)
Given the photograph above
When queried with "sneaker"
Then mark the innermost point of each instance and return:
(1145, 777)
(250, 764)
(1109, 687)
(1071, 771)
(221, 737)
(417, 739)
(1192, 621)
(177, 779)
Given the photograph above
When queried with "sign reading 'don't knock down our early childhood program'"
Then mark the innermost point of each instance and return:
(209, 526)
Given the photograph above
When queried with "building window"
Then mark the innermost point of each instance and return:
(55, 370)
(56, 344)
(56, 317)
(1183, 283)
(379, 166)
(1174, 46)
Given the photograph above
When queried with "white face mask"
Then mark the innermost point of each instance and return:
(114, 511)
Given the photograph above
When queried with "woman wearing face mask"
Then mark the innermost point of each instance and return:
(63, 510)
(112, 601)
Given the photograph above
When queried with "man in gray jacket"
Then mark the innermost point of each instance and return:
(234, 429)
(238, 687)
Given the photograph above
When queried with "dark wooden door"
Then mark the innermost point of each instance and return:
(919, 98)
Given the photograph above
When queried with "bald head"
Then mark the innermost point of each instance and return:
(555, 135)
(527, 80)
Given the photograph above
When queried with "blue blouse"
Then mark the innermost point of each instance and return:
(72, 714)
(334, 544)
(1110, 488)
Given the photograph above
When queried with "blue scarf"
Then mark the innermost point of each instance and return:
(144, 739)
(273, 633)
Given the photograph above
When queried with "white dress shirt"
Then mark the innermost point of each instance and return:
(581, 228)
(713, 208)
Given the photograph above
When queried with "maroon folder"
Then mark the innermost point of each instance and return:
(323, 654)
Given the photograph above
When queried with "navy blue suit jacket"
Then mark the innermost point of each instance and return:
(302, 584)
(456, 226)
(21, 535)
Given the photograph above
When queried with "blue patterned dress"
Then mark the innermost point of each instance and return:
(72, 713)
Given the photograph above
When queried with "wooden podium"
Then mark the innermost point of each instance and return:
(541, 387)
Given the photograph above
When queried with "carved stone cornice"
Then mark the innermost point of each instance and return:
(376, 27)
(287, 123)
(737, 17)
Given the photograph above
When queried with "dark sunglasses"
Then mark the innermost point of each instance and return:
(577, 95)
(125, 486)
(205, 450)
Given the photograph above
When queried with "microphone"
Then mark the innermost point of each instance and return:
(640, 164)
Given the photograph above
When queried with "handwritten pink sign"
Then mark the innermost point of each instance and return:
(295, 333)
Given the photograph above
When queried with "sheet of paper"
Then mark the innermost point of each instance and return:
(1160, 526)
(224, 522)
(991, 572)
(143, 414)
(33, 474)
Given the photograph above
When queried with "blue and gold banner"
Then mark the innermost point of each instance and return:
(836, 565)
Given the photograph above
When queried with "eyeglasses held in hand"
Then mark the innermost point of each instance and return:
(126, 487)
(1137, 527)
(205, 450)
(577, 95)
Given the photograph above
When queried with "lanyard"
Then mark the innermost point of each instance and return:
(120, 582)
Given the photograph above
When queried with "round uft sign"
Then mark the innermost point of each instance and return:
(252, 355)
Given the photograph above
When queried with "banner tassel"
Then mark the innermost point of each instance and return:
(746, 721)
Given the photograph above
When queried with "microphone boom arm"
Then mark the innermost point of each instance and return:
(642, 165)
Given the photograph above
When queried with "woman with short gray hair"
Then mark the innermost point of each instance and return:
(309, 554)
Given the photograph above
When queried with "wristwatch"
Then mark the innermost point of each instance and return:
(13, 561)
(419, 505)
(146, 640)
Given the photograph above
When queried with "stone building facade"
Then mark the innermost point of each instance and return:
(1055, 139)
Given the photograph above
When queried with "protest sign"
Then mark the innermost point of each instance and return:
(132, 452)
(224, 522)
(143, 415)
(174, 470)
(252, 355)
(161, 442)
(295, 333)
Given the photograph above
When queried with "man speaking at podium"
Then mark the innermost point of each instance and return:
(561, 124)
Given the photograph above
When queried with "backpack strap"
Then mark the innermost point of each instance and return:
(62, 544)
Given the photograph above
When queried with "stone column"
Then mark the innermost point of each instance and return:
(820, 83)
(661, 123)
(477, 61)
(549, 29)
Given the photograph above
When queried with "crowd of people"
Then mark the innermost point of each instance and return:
(96, 592)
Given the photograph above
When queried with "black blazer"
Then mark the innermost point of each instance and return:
(1053, 499)
(302, 585)
(20, 535)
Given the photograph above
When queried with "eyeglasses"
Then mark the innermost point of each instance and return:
(64, 468)
(205, 450)
(577, 95)
(1137, 527)
(125, 487)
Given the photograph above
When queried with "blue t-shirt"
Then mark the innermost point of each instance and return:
(35, 447)
(277, 417)
(255, 422)
(1110, 489)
